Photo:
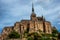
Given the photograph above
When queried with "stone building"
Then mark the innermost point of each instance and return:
(34, 24)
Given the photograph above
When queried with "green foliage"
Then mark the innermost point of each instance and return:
(41, 35)
(34, 36)
(14, 34)
(59, 36)
(39, 30)
(30, 38)
(46, 37)
(55, 31)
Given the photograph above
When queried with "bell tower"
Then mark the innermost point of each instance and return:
(33, 15)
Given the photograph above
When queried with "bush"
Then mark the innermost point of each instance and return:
(14, 34)
(30, 38)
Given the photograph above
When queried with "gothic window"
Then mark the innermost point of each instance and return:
(20, 28)
(23, 27)
(28, 27)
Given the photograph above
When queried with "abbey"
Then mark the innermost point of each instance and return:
(33, 25)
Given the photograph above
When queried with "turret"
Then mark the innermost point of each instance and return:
(44, 27)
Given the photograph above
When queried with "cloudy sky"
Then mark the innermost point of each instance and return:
(12, 11)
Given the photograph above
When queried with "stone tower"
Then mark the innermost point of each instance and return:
(33, 15)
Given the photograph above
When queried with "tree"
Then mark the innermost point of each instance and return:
(34, 36)
(14, 34)
(59, 36)
(54, 32)
(30, 38)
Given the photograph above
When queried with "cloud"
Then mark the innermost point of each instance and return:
(16, 10)
(59, 23)
(9, 1)
(43, 2)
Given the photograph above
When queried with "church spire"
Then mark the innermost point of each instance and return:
(33, 15)
(32, 7)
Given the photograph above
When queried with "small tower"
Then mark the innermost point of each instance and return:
(33, 15)
(44, 30)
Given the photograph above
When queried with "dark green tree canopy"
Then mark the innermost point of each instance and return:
(59, 36)
(54, 30)
(14, 34)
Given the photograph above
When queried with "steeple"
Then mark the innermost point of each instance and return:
(32, 8)
(33, 15)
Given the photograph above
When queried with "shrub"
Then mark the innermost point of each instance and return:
(14, 34)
